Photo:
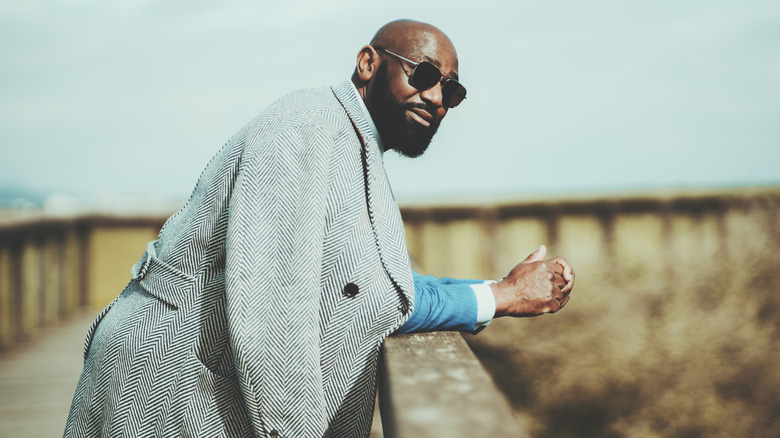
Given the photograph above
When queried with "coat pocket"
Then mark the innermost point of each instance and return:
(206, 404)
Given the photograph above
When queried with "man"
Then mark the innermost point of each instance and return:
(261, 308)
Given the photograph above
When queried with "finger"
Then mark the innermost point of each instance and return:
(568, 271)
(556, 268)
(555, 305)
(559, 281)
(564, 300)
(568, 287)
(536, 256)
(569, 284)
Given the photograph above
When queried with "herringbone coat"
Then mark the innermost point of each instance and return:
(261, 307)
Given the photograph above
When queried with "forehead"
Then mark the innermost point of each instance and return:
(436, 49)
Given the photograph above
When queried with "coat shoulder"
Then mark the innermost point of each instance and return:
(302, 108)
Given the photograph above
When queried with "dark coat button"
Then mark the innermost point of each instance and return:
(350, 290)
(274, 434)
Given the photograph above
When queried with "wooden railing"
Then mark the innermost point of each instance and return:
(432, 385)
(51, 266)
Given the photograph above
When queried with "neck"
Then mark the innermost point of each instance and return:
(360, 86)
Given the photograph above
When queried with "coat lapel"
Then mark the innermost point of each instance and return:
(382, 208)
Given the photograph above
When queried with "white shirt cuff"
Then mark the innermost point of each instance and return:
(486, 303)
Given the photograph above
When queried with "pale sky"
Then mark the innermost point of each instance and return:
(133, 98)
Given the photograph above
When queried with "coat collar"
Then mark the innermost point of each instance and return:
(350, 99)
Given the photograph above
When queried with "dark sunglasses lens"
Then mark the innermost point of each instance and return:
(425, 76)
(453, 93)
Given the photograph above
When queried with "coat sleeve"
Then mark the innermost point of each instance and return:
(274, 249)
(442, 304)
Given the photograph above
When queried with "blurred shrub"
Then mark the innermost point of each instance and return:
(680, 343)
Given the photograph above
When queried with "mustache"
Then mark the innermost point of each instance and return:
(429, 108)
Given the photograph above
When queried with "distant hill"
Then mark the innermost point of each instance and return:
(20, 197)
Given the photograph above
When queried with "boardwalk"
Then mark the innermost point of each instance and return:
(37, 379)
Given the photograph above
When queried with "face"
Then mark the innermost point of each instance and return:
(406, 126)
(405, 117)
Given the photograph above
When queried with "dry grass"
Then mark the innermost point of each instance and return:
(680, 343)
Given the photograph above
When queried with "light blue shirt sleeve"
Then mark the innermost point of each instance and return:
(447, 304)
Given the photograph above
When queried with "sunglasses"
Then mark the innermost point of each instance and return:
(426, 75)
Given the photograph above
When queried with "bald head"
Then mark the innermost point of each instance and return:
(414, 39)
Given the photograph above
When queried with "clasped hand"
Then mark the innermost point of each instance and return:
(535, 286)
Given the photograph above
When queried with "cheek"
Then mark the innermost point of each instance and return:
(402, 90)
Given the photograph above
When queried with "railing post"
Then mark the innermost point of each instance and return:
(6, 298)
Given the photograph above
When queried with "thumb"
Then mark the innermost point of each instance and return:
(536, 256)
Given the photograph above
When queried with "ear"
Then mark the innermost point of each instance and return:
(367, 63)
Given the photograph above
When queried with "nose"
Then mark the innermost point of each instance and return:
(433, 95)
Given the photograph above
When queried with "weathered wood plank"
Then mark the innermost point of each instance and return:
(38, 378)
(433, 386)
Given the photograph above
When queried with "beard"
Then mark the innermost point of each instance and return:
(398, 132)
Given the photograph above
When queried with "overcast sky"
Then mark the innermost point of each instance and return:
(133, 98)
